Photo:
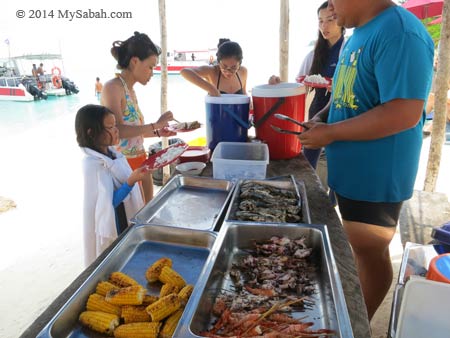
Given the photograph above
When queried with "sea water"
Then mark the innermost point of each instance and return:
(185, 100)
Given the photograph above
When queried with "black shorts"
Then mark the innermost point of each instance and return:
(378, 213)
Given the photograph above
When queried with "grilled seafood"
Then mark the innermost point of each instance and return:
(268, 188)
(280, 265)
(187, 125)
(265, 203)
(267, 324)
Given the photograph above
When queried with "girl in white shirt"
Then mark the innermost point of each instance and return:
(111, 196)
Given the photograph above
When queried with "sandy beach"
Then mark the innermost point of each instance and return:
(41, 242)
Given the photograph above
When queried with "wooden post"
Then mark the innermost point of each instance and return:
(163, 61)
(440, 106)
(284, 40)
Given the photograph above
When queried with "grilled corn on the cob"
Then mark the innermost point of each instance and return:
(104, 286)
(97, 302)
(133, 314)
(167, 289)
(152, 273)
(185, 293)
(164, 307)
(149, 299)
(99, 321)
(137, 330)
(121, 279)
(168, 275)
(170, 324)
(131, 295)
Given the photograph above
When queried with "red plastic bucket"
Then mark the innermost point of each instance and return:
(284, 98)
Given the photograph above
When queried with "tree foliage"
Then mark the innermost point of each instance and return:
(434, 30)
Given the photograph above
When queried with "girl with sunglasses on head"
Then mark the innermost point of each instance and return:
(136, 57)
(225, 77)
(111, 195)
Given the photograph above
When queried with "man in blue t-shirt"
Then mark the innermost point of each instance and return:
(373, 134)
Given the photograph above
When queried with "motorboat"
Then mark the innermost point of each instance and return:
(16, 84)
(18, 88)
(180, 59)
(12, 89)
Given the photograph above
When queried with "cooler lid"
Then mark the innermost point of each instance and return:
(443, 265)
(442, 234)
(283, 89)
(228, 99)
(439, 269)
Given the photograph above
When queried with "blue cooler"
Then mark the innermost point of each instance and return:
(441, 238)
(226, 119)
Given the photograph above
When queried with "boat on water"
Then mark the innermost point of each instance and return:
(180, 59)
(18, 83)
(13, 89)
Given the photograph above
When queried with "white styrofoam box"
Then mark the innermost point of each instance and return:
(424, 312)
(237, 160)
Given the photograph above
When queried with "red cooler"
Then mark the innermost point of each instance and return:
(284, 98)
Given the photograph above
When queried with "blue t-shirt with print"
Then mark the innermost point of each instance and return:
(390, 57)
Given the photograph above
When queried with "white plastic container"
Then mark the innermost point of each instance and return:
(237, 160)
(424, 312)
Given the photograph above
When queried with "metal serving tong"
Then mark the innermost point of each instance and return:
(284, 131)
(287, 118)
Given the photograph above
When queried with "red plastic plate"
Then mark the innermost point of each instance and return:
(151, 160)
(196, 154)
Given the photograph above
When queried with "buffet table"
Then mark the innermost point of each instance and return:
(321, 211)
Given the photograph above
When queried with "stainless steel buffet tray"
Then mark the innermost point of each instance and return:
(282, 182)
(189, 202)
(330, 310)
(136, 251)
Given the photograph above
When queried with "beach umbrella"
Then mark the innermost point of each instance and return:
(424, 8)
(435, 21)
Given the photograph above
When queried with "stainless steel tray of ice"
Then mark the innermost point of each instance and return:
(326, 308)
(135, 252)
(188, 202)
(274, 200)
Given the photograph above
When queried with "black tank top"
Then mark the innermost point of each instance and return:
(239, 91)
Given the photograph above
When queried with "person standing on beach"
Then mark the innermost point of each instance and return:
(111, 195)
(136, 57)
(373, 134)
(98, 88)
(225, 77)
